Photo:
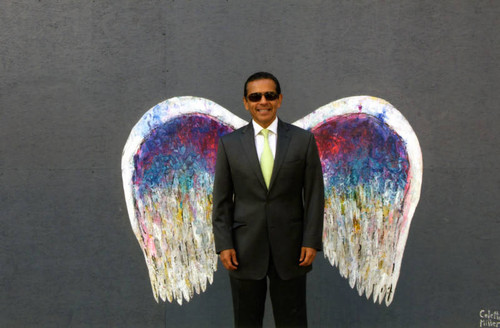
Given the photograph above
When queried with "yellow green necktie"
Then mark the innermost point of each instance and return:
(266, 158)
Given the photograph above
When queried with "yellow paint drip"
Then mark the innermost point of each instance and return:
(356, 225)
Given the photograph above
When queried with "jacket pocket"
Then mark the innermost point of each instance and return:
(236, 225)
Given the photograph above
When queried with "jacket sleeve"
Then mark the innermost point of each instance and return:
(223, 202)
(314, 198)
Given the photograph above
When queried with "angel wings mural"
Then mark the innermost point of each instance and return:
(372, 170)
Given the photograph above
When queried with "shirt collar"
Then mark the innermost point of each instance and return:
(273, 127)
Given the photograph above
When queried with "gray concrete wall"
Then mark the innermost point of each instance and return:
(75, 76)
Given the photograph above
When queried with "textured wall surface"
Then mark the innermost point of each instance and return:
(75, 76)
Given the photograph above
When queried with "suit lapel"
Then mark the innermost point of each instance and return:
(248, 142)
(281, 149)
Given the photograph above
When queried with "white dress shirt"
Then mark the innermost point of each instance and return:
(259, 138)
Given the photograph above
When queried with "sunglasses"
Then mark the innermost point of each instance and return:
(257, 96)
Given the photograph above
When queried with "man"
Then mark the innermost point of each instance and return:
(268, 207)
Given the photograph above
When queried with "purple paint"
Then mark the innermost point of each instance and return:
(360, 149)
(183, 147)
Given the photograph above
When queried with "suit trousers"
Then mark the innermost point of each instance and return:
(288, 298)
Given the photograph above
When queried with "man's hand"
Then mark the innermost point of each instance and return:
(307, 255)
(228, 259)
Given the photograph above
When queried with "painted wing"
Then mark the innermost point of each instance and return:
(372, 167)
(168, 167)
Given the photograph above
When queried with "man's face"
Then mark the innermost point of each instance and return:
(263, 111)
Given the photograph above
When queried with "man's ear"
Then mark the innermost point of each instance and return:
(280, 98)
(245, 103)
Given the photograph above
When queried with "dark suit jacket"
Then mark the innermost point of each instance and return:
(258, 222)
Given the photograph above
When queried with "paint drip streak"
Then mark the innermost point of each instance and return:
(173, 184)
(365, 167)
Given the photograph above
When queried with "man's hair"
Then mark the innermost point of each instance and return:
(262, 76)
